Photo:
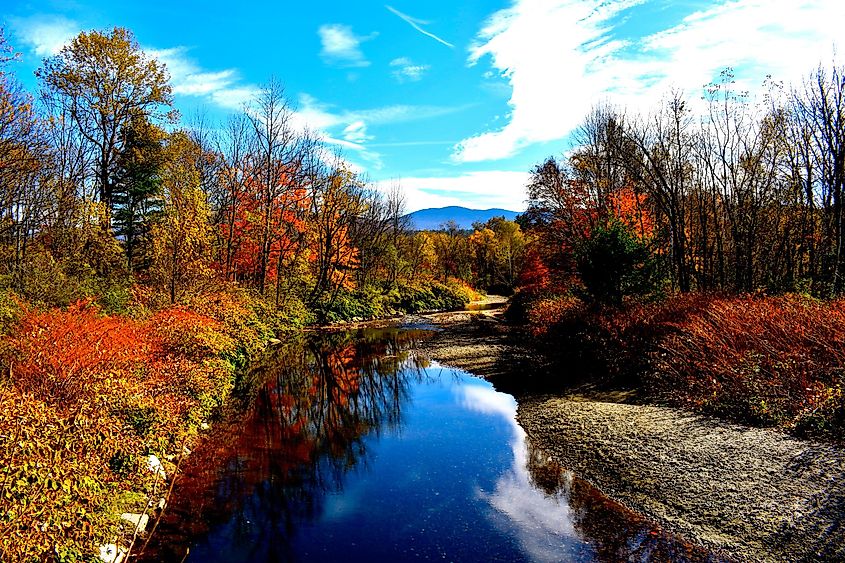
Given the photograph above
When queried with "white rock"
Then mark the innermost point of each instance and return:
(140, 521)
(204, 426)
(110, 553)
(156, 467)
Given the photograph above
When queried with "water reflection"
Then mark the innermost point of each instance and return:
(302, 431)
(543, 522)
(351, 447)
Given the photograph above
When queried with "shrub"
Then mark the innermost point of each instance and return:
(769, 360)
(191, 334)
(544, 313)
(613, 263)
(87, 395)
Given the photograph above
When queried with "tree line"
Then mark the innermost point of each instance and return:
(743, 196)
(102, 184)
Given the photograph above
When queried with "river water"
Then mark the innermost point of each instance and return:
(353, 447)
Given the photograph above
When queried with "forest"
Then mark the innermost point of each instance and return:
(695, 251)
(145, 257)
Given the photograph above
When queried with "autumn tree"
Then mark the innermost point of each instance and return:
(452, 251)
(658, 162)
(336, 198)
(233, 146)
(106, 81)
(273, 167)
(561, 211)
(26, 195)
(819, 110)
(182, 241)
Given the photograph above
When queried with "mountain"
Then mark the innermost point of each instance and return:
(433, 219)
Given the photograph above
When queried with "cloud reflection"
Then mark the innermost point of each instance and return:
(544, 524)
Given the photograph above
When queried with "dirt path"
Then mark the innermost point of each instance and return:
(754, 494)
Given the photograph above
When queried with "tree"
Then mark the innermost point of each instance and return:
(25, 185)
(106, 81)
(137, 186)
(274, 166)
(182, 240)
(336, 203)
(613, 262)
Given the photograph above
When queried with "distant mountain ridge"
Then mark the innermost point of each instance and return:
(432, 219)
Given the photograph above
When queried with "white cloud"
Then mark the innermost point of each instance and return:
(341, 46)
(348, 129)
(407, 70)
(478, 190)
(543, 524)
(46, 35)
(561, 57)
(221, 87)
(356, 132)
(234, 97)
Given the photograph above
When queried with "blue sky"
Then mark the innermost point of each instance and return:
(456, 100)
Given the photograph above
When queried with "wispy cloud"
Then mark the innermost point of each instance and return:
(349, 129)
(341, 47)
(221, 87)
(44, 34)
(356, 132)
(416, 23)
(406, 70)
(561, 57)
(325, 116)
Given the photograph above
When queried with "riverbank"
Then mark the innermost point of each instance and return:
(749, 493)
(97, 412)
(755, 494)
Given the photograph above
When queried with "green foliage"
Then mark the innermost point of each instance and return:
(141, 419)
(614, 263)
(374, 302)
(10, 310)
(433, 296)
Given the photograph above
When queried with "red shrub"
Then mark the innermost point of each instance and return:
(771, 359)
(64, 355)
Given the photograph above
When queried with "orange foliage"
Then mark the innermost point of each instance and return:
(65, 355)
(247, 231)
(90, 394)
(630, 207)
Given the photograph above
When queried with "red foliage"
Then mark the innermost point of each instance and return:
(534, 275)
(768, 360)
(772, 359)
(62, 355)
(630, 208)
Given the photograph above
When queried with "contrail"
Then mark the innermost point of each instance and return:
(415, 24)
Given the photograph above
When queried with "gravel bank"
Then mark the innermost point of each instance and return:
(749, 493)
(755, 494)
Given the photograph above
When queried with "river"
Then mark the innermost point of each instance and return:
(352, 446)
